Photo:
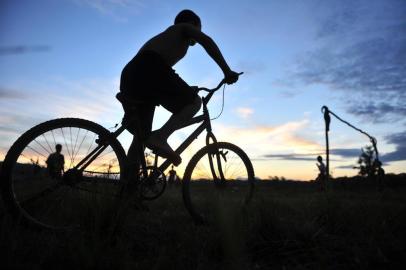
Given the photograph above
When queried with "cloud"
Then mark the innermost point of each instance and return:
(311, 156)
(4, 50)
(379, 112)
(340, 18)
(362, 54)
(11, 94)
(12, 125)
(244, 112)
(118, 9)
(296, 157)
(345, 167)
(91, 99)
(346, 152)
(261, 140)
(399, 140)
(250, 67)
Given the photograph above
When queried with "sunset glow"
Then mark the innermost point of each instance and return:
(64, 59)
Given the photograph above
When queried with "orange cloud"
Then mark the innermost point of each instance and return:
(245, 112)
(264, 139)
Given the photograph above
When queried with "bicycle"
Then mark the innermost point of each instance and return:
(98, 172)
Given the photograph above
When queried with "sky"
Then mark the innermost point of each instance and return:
(63, 58)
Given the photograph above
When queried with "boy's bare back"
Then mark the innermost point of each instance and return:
(172, 44)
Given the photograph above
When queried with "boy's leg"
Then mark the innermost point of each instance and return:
(177, 120)
(133, 163)
(158, 138)
(132, 154)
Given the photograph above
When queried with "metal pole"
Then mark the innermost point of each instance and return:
(373, 140)
(327, 121)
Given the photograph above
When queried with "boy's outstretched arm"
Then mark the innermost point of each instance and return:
(212, 49)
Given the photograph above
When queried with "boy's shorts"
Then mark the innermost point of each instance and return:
(147, 77)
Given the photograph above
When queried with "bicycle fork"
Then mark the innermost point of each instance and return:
(220, 182)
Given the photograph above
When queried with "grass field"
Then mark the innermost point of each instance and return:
(288, 225)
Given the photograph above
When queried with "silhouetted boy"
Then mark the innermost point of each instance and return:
(56, 162)
(149, 78)
(321, 178)
(173, 177)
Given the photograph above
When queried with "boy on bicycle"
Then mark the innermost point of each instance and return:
(149, 78)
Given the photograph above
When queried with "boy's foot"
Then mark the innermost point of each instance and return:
(161, 148)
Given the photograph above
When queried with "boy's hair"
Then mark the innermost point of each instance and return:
(319, 158)
(187, 16)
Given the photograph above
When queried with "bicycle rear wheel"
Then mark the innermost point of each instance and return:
(68, 199)
(219, 177)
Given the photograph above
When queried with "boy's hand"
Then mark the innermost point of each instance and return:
(231, 77)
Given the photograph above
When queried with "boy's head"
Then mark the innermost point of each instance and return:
(188, 16)
(319, 159)
(58, 148)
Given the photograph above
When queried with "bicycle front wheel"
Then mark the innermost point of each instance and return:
(47, 190)
(219, 177)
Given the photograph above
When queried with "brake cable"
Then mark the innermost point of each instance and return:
(222, 106)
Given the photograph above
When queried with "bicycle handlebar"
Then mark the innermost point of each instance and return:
(214, 89)
(222, 82)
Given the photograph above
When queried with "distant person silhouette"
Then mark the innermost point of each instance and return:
(55, 162)
(322, 172)
(150, 79)
(173, 177)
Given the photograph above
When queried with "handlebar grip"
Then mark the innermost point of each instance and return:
(223, 81)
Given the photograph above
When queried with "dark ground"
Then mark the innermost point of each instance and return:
(289, 225)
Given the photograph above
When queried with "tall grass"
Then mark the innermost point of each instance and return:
(287, 226)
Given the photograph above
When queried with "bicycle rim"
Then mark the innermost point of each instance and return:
(226, 186)
(39, 196)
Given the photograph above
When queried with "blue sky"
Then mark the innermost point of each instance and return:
(64, 58)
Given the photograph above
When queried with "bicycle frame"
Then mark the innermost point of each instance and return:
(204, 119)
(205, 125)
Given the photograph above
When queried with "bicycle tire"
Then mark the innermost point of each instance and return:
(199, 191)
(152, 188)
(19, 186)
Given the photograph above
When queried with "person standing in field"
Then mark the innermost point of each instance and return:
(321, 178)
(55, 163)
(173, 177)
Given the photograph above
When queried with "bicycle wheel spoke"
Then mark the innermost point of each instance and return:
(202, 170)
(53, 136)
(71, 144)
(79, 147)
(105, 154)
(46, 195)
(43, 147)
(202, 190)
(50, 148)
(74, 147)
(36, 151)
(67, 148)
(90, 146)
(236, 169)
